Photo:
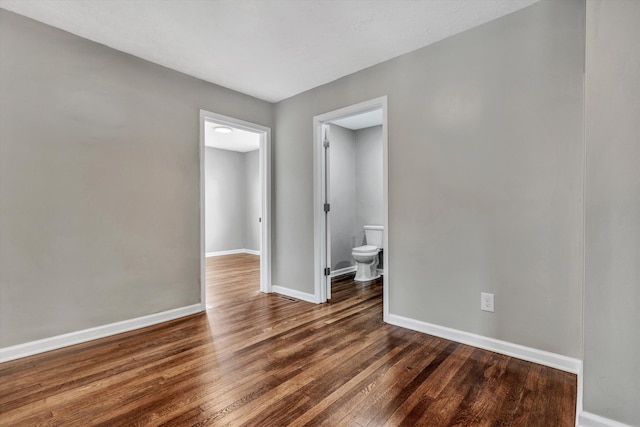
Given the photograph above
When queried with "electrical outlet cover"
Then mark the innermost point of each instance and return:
(486, 302)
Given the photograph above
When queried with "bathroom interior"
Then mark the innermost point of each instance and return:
(356, 196)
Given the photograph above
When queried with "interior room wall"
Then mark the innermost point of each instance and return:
(99, 177)
(342, 164)
(253, 200)
(369, 180)
(612, 282)
(485, 177)
(225, 199)
(232, 200)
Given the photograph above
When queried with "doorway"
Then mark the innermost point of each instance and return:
(259, 222)
(322, 191)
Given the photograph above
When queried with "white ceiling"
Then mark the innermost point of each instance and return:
(360, 121)
(238, 140)
(270, 49)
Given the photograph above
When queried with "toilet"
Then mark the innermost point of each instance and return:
(366, 256)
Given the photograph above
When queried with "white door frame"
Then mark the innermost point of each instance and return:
(320, 291)
(265, 191)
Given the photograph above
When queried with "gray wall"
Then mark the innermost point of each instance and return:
(369, 179)
(612, 285)
(485, 170)
(253, 200)
(342, 194)
(99, 182)
(225, 199)
(232, 200)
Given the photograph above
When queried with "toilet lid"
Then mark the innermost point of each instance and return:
(365, 248)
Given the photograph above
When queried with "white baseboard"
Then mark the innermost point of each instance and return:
(294, 294)
(579, 393)
(232, 252)
(350, 269)
(59, 341)
(587, 419)
(222, 253)
(530, 354)
(342, 271)
(553, 360)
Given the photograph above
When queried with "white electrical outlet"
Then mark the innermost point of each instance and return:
(486, 302)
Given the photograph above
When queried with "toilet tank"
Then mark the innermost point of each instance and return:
(373, 234)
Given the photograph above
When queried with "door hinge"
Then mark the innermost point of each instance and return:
(325, 143)
(327, 271)
(327, 207)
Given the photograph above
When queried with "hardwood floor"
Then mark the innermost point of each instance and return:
(268, 360)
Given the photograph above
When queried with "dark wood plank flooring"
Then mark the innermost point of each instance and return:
(269, 360)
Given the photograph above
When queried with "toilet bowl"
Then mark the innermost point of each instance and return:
(366, 258)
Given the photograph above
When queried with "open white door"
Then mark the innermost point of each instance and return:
(327, 210)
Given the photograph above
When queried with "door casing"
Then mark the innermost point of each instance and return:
(320, 231)
(265, 191)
